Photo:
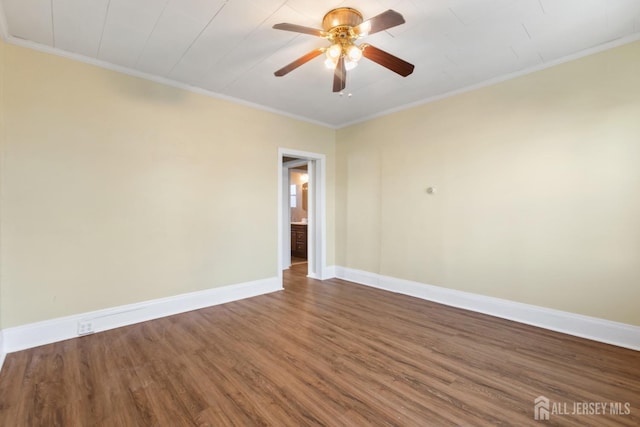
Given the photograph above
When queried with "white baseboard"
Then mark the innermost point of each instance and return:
(50, 331)
(606, 331)
(328, 272)
(325, 274)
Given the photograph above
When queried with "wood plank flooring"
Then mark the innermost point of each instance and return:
(319, 353)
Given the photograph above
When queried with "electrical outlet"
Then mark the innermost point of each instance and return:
(85, 327)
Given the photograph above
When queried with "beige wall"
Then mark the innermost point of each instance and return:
(538, 190)
(117, 190)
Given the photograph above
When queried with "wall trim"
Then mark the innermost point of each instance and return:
(4, 33)
(328, 272)
(596, 329)
(151, 77)
(63, 328)
(317, 225)
(499, 79)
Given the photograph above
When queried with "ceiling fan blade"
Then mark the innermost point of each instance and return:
(387, 60)
(340, 76)
(384, 21)
(301, 29)
(298, 62)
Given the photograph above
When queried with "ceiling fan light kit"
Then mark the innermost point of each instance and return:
(342, 27)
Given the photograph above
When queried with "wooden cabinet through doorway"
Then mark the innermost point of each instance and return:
(299, 240)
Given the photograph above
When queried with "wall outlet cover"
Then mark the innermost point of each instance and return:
(85, 327)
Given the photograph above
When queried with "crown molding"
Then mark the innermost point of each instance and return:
(146, 76)
(183, 86)
(520, 73)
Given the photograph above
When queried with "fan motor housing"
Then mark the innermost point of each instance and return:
(341, 17)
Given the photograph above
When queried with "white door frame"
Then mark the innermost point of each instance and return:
(317, 214)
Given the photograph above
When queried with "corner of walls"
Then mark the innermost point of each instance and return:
(329, 272)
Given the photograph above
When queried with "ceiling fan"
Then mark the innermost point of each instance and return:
(342, 27)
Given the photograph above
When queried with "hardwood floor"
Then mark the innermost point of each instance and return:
(297, 260)
(319, 353)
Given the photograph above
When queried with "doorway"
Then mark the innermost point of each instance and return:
(314, 224)
(298, 209)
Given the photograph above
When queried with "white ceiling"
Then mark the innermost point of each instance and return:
(228, 48)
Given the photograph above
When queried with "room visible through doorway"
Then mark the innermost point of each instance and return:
(298, 209)
(301, 214)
